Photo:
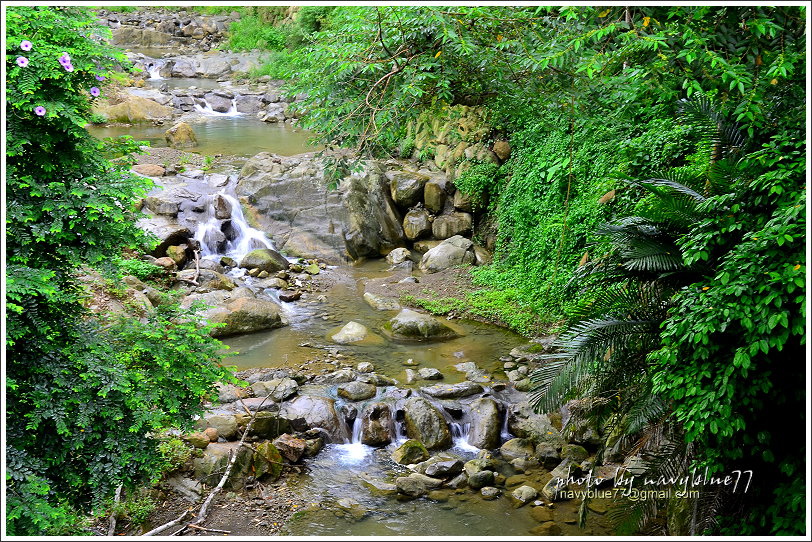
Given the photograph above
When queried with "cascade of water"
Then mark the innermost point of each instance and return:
(154, 71)
(231, 237)
(355, 450)
(505, 434)
(207, 109)
(459, 435)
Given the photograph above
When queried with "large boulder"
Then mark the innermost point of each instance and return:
(410, 325)
(485, 427)
(445, 226)
(307, 218)
(456, 250)
(410, 452)
(434, 195)
(426, 424)
(181, 136)
(218, 103)
(524, 422)
(312, 411)
(264, 461)
(452, 391)
(517, 448)
(264, 259)
(381, 303)
(248, 104)
(134, 109)
(350, 333)
(406, 187)
(376, 425)
(243, 315)
(416, 224)
(356, 391)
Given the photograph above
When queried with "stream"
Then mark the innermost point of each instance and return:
(342, 483)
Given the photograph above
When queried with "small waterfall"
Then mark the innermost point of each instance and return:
(154, 71)
(459, 435)
(207, 110)
(400, 432)
(223, 230)
(354, 450)
(505, 434)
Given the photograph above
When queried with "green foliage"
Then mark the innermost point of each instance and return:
(480, 182)
(136, 507)
(138, 268)
(439, 306)
(83, 396)
(278, 65)
(251, 32)
(174, 454)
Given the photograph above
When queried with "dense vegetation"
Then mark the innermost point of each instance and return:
(86, 396)
(654, 198)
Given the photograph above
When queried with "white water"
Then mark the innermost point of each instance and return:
(232, 112)
(244, 237)
(354, 451)
(505, 434)
(459, 435)
(154, 72)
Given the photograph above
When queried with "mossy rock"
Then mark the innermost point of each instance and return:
(411, 451)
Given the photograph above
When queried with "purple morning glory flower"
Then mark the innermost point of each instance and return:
(100, 78)
(22, 61)
(94, 91)
(64, 59)
(68, 67)
(26, 45)
(39, 110)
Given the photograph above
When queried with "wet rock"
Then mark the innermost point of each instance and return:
(376, 425)
(426, 424)
(350, 333)
(291, 447)
(541, 514)
(288, 296)
(452, 252)
(264, 259)
(452, 391)
(398, 255)
(459, 481)
(406, 187)
(446, 226)
(430, 373)
(416, 224)
(279, 388)
(428, 481)
(248, 104)
(225, 424)
(485, 427)
(524, 494)
(181, 136)
(480, 479)
(356, 391)
(381, 303)
(524, 422)
(574, 453)
(314, 412)
(149, 170)
(377, 379)
(517, 447)
(220, 104)
(351, 508)
(134, 109)
(445, 468)
(548, 528)
(412, 325)
(411, 451)
(410, 487)
(365, 367)
(477, 465)
(411, 376)
(244, 315)
(490, 493)
(522, 464)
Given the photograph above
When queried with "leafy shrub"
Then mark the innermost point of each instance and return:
(480, 182)
(251, 32)
(174, 454)
(139, 268)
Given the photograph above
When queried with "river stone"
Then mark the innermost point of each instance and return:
(425, 245)
(244, 315)
(489, 493)
(134, 109)
(480, 479)
(428, 481)
(412, 325)
(221, 104)
(356, 391)
(541, 514)
(525, 423)
(181, 136)
(267, 425)
(381, 303)
(291, 447)
(477, 465)
(426, 424)
(279, 388)
(574, 453)
(445, 468)
(522, 464)
(411, 487)
(462, 202)
(406, 187)
(434, 195)
(416, 224)
(454, 251)
(524, 494)
(264, 259)
(430, 373)
(161, 206)
(517, 447)
(248, 104)
(208, 280)
(411, 451)
(225, 424)
(452, 391)
(501, 149)
(149, 170)
(548, 528)
(312, 412)
(548, 455)
(178, 254)
(485, 427)
(399, 255)
(350, 333)
(446, 226)
(376, 425)
(198, 439)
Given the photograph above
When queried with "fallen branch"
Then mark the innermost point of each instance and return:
(193, 526)
(166, 526)
(112, 528)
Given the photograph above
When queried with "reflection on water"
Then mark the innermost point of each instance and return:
(238, 136)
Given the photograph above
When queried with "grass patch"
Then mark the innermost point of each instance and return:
(439, 306)
(278, 65)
